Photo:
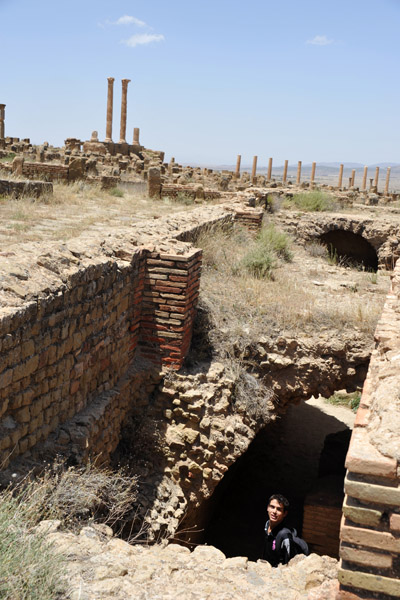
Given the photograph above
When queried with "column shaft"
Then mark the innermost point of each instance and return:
(110, 95)
(364, 181)
(313, 172)
(340, 176)
(269, 175)
(285, 167)
(387, 181)
(298, 178)
(254, 169)
(238, 160)
(124, 103)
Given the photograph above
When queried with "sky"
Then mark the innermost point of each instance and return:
(312, 80)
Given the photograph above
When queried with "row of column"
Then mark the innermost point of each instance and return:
(124, 104)
(373, 181)
(2, 117)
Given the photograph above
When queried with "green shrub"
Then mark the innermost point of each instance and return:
(8, 157)
(311, 201)
(276, 241)
(117, 192)
(342, 399)
(260, 262)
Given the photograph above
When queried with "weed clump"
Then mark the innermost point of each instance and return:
(116, 192)
(352, 400)
(262, 258)
(311, 201)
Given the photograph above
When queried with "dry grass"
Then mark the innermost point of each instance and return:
(29, 568)
(307, 295)
(75, 208)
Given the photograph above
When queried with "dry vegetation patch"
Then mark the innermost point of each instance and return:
(75, 208)
(304, 295)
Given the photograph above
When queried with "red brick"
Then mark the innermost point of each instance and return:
(369, 538)
(171, 290)
(395, 522)
(362, 417)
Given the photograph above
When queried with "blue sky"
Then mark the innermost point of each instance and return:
(312, 80)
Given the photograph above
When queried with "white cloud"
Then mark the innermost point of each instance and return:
(128, 20)
(320, 40)
(143, 38)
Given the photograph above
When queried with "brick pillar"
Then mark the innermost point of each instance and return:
(237, 172)
(364, 181)
(285, 167)
(254, 170)
(340, 176)
(376, 178)
(298, 178)
(110, 95)
(2, 117)
(136, 133)
(170, 297)
(353, 177)
(387, 181)
(269, 175)
(122, 133)
(313, 172)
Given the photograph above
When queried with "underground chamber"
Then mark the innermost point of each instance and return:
(300, 455)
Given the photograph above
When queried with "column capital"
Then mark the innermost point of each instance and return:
(111, 79)
(125, 81)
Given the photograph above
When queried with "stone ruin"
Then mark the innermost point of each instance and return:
(84, 338)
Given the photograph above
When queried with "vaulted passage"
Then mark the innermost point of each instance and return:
(352, 248)
(283, 458)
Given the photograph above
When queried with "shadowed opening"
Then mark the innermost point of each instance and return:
(351, 249)
(300, 456)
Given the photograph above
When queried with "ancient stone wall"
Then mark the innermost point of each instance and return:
(19, 188)
(370, 531)
(78, 320)
(46, 170)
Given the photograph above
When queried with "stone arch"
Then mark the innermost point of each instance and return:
(352, 247)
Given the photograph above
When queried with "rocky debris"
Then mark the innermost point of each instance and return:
(204, 431)
(100, 567)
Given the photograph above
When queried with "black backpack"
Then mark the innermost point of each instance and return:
(299, 546)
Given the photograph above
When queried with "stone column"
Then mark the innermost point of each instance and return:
(313, 172)
(254, 169)
(2, 117)
(269, 175)
(376, 178)
(238, 160)
(353, 177)
(285, 166)
(340, 176)
(109, 109)
(136, 133)
(364, 181)
(387, 181)
(298, 178)
(124, 96)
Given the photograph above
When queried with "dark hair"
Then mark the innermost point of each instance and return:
(281, 499)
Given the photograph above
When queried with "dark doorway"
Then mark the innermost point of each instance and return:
(351, 248)
(283, 458)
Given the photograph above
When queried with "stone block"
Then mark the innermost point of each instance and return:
(368, 492)
(366, 558)
(361, 515)
(370, 582)
(369, 538)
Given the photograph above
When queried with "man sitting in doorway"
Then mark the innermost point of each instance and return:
(277, 551)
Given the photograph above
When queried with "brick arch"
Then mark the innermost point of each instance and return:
(352, 247)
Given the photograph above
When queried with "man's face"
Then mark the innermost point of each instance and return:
(276, 513)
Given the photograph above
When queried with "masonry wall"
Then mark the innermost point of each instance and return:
(370, 530)
(85, 330)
